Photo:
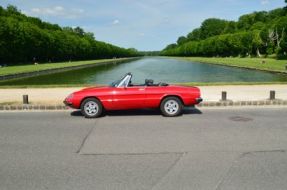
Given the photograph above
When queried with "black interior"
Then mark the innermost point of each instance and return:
(149, 82)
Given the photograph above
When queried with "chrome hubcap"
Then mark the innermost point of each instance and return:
(171, 107)
(91, 108)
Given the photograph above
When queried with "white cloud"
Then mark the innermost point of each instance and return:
(57, 11)
(116, 21)
(264, 2)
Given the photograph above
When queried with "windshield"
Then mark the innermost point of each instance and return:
(115, 83)
(118, 82)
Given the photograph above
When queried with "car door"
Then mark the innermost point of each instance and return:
(154, 95)
(132, 97)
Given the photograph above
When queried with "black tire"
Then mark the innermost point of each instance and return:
(91, 112)
(177, 109)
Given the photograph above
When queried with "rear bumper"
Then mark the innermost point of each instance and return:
(198, 100)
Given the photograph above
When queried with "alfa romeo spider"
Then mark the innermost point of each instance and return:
(123, 95)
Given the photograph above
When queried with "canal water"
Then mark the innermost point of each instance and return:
(160, 69)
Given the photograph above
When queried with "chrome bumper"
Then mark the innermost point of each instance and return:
(198, 100)
(68, 104)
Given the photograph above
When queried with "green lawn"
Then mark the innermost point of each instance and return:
(31, 68)
(251, 63)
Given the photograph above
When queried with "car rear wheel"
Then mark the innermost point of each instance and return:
(171, 107)
(91, 108)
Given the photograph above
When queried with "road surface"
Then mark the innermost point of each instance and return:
(208, 149)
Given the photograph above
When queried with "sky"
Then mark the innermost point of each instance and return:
(141, 24)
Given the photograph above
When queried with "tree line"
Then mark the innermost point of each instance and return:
(257, 34)
(25, 39)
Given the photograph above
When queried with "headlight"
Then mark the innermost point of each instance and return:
(70, 96)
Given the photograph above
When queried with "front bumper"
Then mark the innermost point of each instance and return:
(69, 104)
(198, 100)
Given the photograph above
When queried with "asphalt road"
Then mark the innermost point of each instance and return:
(208, 149)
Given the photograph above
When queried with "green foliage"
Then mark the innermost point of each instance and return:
(230, 27)
(194, 35)
(247, 21)
(12, 10)
(26, 39)
(260, 33)
(181, 40)
(170, 46)
(212, 27)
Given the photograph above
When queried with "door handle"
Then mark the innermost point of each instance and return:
(141, 89)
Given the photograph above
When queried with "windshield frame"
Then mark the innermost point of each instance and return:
(123, 82)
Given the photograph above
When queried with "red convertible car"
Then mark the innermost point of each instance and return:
(123, 95)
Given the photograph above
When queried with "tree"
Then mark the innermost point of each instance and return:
(194, 35)
(24, 39)
(252, 35)
(230, 27)
(1, 10)
(181, 40)
(212, 27)
(246, 21)
(79, 31)
(68, 29)
(257, 42)
(258, 26)
(275, 37)
(90, 35)
(170, 46)
(12, 9)
(276, 13)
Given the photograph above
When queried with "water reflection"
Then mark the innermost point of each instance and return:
(160, 69)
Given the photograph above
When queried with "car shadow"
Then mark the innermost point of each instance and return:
(140, 112)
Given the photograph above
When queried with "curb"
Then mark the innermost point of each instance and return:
(25, 107)
(203, 104)
(243, 103)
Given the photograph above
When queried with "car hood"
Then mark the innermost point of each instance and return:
(94, 88)
(97, 88)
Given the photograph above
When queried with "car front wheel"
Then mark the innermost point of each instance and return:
(91, 108)
(171, 107)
